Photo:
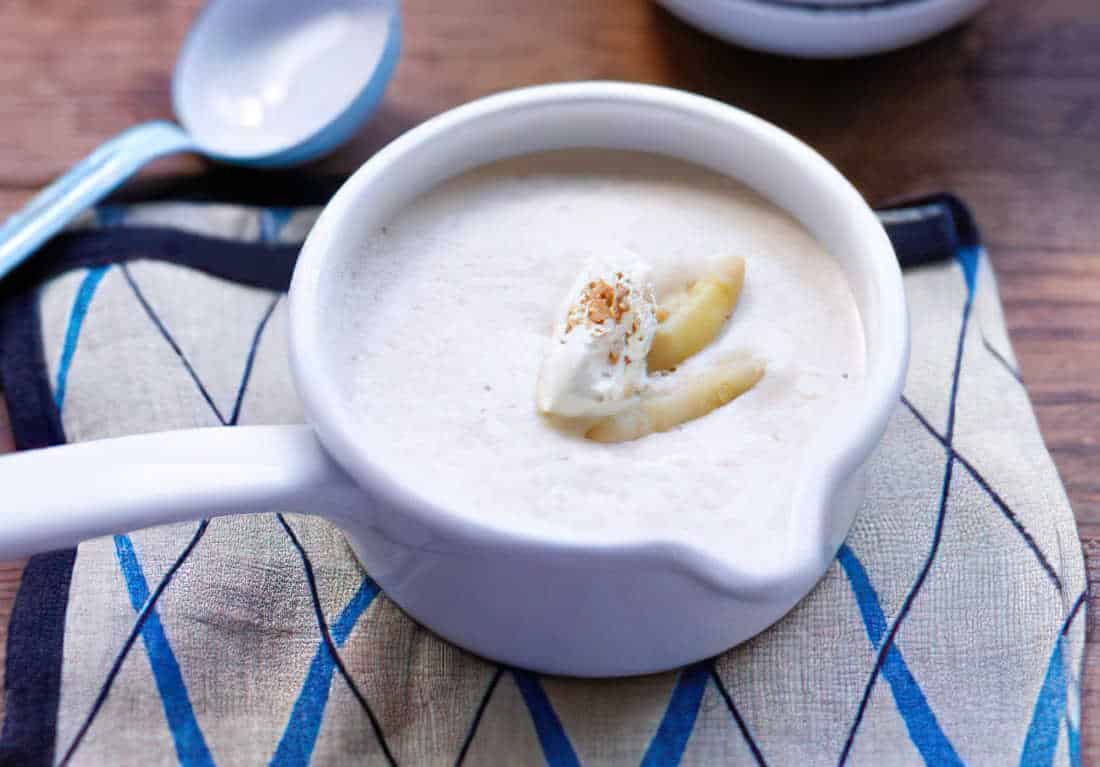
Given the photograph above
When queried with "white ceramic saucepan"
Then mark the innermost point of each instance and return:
(548, 604)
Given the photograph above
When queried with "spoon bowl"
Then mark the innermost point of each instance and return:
(257, 83)
(274, 84)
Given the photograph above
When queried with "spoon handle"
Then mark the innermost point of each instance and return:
(89, 181)
(56, 497)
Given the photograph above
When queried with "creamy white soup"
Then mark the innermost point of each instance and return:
(451, 306)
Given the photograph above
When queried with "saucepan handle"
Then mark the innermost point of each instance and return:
(57, 497)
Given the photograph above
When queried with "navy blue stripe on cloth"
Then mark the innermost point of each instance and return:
(300, 735)
(32, 672)
(171, 341)
(24, 374)
(1012, 370)
(671, 738)
(742, 727)
(304, 724)
(250, 360)
(256, 264)
(189, 742)
(235, 185)
(191, 749)
(1072, 729)
(556, 746)
(135, 631)
(920, 721)
(999, 502)
(478, 714)
(928, 230)
(326, 636)
(190, 745)
(968, 258)
(887, 647)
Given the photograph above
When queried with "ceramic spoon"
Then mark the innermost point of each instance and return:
(257, 83)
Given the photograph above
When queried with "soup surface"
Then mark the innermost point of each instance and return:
(451, 306)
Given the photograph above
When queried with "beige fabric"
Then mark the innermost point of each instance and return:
(239, 619)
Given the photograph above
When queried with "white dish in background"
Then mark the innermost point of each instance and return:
(823, 28)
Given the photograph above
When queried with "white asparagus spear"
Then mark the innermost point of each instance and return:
(691, 399)
(692, 320)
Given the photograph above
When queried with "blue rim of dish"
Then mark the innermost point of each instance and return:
(856, 6)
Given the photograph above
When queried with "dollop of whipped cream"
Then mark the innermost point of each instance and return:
(596, 361)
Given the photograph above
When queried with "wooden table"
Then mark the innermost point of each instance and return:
(1005, 112)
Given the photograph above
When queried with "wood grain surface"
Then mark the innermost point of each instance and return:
(1004, 111)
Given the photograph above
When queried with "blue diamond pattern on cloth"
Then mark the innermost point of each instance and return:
(556, 746)
(190, 745)
(84, 297)
(517, 716)
(296, 745)
(668, 744)
(921, 722)
(938, 746)
(1050, 707)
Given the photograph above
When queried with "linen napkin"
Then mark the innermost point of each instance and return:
(950, 630)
